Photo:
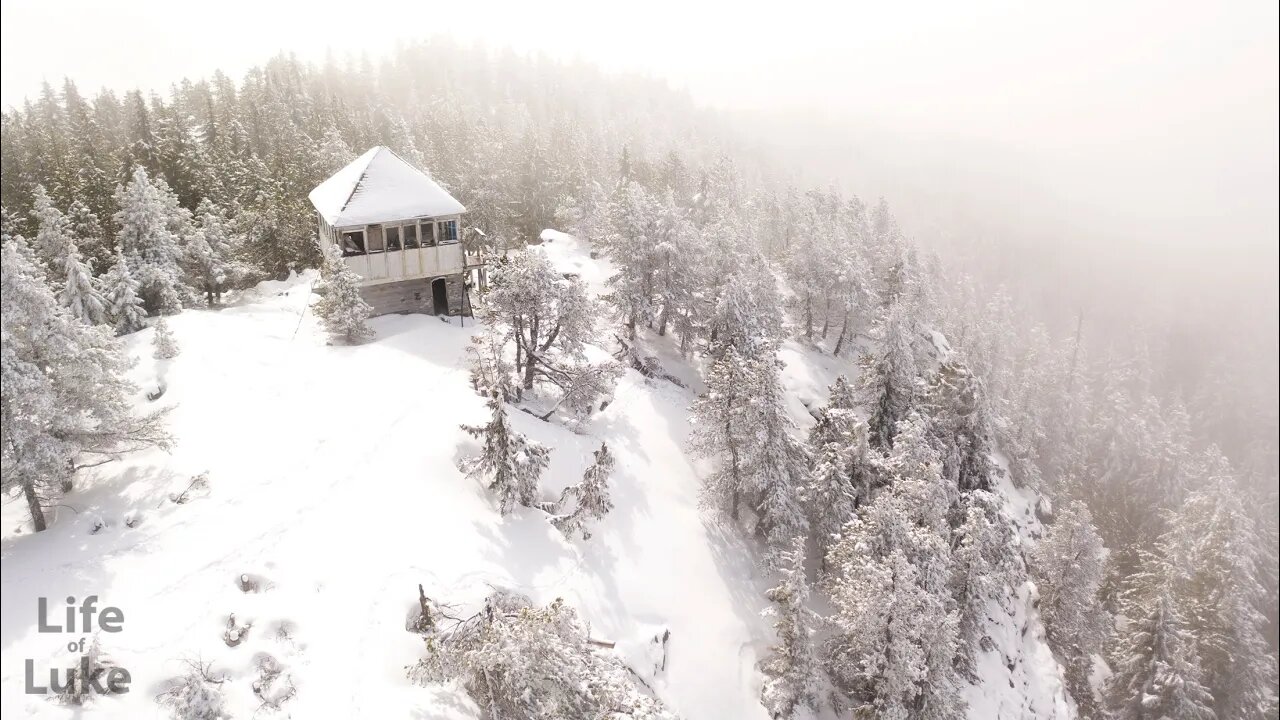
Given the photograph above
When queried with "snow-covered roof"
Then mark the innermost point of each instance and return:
(380, 186)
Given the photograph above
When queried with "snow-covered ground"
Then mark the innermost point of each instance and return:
(332, 484)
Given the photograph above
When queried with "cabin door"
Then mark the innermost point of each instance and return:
(440, 296)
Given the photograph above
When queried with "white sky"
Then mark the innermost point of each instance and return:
(1128, 110)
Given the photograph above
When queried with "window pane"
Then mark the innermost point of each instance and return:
(375, 239)
(448, 231)
(410, 237)
(353, 243)
(393, 238)
(428, 233)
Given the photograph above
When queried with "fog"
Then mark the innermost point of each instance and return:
(1109, 141)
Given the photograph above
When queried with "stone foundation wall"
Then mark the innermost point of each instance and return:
(414, 296)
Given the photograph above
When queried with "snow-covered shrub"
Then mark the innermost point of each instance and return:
(342, 310)
(164, 346)
(197, 695)
(509, 463)
(590, 497)
(521, 662)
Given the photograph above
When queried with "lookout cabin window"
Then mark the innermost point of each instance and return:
(376, 244)
(353, 243)
(428, 233)
(410, 237)
(448, 231)
(393, 238)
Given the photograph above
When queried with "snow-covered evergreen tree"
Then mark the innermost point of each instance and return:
(740, 421)
(591, 501)
(124, 310)
(80, 294)
(1157, 669)
(147, 238)
(197, 695)
(53, 236)
(1213, 552)
(343, 312)
(791, 670)
(522, 662)
(210, 255)
(164, 346)
(956, 406)
(509, 464)
(982, 568)
(65, 395)
(779, 460)
(550, 319)
(898, 637)
(890, 376)
(1068, 566)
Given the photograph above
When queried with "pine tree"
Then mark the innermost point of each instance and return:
(210, 256)
(551, 319)
(522, 662)
(958, 421)
(54, 236)
(830, 495)
(1068, 566)
(1212, 549)
(146, 220)
(1157, 671)
(889, 375)
(90, 237)
(590, 497)
(509, 464)
(779, 460)
(164, 344)
(889, 581)
(65, 396)
(791, 670)
(80, 295)
(124, 309)
(982, 568)
(723, 428)
(343, 312)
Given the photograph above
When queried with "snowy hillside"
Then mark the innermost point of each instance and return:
(333, 492)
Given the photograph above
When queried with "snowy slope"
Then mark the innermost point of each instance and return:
(333, 486)
(332, 477)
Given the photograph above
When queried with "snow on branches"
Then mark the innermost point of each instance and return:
(523, 662)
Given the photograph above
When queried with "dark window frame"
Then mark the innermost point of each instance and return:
(351, 247)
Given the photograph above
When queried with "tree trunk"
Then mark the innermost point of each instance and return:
(844, 330)
(33, 505)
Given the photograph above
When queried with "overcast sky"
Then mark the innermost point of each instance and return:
(1157, 117)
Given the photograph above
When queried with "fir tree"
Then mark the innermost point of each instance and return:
(124, 309)
(590, 497)
(164, 344)
(509, 464)
(80, 295)
(791, 670)
(343, 312)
